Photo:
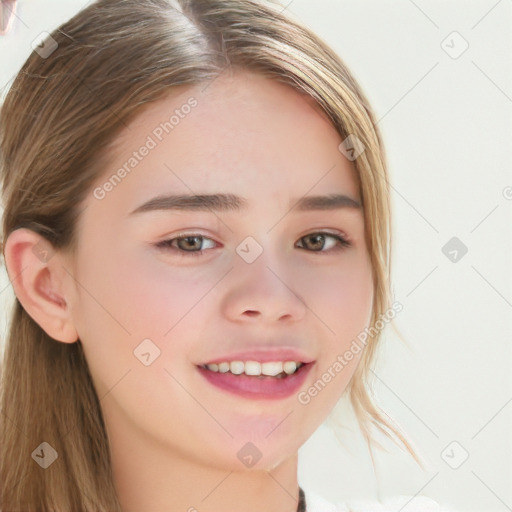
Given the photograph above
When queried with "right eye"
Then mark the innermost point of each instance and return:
(184, 245)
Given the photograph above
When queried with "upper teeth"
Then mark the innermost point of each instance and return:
(271, 368)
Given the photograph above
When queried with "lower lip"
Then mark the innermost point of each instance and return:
(256, 387)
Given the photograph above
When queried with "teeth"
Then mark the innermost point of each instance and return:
(271, 368)
(223, 367)
(236, 367)
(289, 367)
(252, 368)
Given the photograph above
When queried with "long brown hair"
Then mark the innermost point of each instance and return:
(58, 119)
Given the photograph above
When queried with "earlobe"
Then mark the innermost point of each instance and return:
(36, 272)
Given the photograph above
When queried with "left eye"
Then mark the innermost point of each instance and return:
(191, 244)
(319, 239)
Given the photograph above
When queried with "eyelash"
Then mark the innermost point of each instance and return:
(166, 244)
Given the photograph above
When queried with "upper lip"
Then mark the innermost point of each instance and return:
(264, 355)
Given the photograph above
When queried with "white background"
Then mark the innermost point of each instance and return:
(447, 126)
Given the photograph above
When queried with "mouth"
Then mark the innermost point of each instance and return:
(256, 379)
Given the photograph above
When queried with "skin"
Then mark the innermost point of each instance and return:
(174, 437)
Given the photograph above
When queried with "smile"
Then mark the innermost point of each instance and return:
(277, 369)
(257, 380)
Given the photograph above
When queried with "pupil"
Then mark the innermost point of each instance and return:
(318, 245)
(189, 241)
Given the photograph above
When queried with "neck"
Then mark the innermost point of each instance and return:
(154, 478)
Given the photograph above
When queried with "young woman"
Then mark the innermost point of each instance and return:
(196, 228)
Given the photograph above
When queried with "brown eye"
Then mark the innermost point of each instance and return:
(316, 242)
(190, 244)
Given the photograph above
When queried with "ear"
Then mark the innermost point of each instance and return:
(37, 275)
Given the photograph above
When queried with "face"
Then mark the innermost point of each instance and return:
(260, 276)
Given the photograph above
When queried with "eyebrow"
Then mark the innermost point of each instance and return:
(230, 202)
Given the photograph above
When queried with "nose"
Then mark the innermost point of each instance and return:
(262, 291)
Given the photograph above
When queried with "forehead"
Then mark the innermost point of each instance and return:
(243, 133)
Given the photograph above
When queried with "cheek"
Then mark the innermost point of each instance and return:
(122, 301)
(341, 296)
(351, 300)
(158, 298)
(341, 299)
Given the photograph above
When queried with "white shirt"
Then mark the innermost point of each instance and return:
(315, 503)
